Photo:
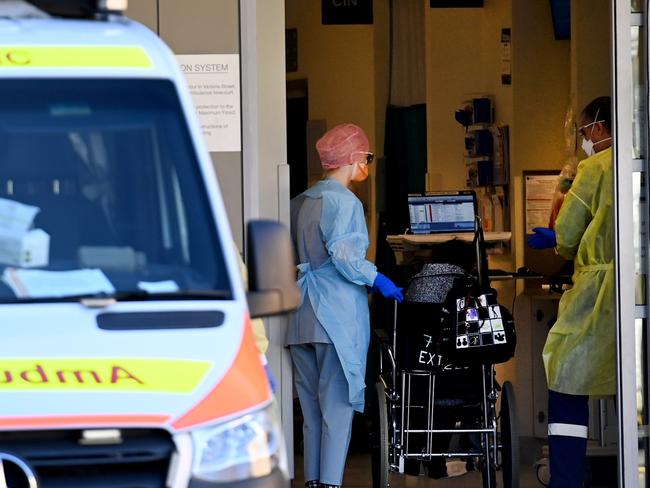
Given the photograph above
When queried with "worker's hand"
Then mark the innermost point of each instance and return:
(542, 238)
(387, 288)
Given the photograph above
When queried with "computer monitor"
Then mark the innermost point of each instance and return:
(443, 212)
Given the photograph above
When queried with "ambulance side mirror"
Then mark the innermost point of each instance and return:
(271, 270)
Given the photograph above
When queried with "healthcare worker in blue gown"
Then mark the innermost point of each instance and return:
(328, 335)
(580, 351)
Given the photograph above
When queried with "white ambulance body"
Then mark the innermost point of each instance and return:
(126, 355)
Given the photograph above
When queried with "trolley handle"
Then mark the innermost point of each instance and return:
(481, 259)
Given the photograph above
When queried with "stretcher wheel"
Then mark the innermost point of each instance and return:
(509, 438)
(380, 461)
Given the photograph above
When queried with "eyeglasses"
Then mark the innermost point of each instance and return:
(581, 129)
(370, 157)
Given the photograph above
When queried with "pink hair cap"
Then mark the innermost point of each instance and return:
(338, 145)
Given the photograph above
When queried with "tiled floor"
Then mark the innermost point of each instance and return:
(358, 475)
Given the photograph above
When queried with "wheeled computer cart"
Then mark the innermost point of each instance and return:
(419, 407)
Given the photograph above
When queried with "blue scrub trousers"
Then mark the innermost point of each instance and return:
(324, 399)
(568, 421)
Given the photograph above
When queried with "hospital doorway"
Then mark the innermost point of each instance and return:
(497, 88)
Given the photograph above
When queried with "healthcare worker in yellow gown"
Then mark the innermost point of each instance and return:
(579, 354)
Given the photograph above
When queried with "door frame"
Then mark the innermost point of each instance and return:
(626, 311)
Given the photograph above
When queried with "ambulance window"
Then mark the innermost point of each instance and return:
(111, 166)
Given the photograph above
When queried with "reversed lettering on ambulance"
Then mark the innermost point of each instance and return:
(74, 57)
(136, 375)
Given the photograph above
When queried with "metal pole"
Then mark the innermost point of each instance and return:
(402, 426)
(429, 413)
(479, 260)
(408, 413)
(445, 455)
(486, 436)
(395, 348)
(495, 447)
(452, 431)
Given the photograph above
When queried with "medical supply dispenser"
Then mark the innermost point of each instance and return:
(486, 156)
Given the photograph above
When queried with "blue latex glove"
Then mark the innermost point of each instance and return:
(387, 288)
(543, 238)
(270, 377)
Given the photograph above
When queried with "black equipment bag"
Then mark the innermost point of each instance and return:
(475, 328)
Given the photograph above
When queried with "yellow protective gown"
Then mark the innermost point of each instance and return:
(579, 354)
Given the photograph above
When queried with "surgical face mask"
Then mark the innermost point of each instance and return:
(360, 172)
(588, 147)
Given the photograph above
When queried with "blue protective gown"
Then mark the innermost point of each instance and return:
(333, 282)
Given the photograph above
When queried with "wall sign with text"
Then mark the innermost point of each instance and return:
(347, 12)
(213, 80)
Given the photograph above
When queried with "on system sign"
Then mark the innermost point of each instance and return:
(213, 80)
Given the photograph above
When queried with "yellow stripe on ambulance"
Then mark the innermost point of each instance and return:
(131, 375)
(74, 57)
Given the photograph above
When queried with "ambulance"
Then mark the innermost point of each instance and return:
(126, 354)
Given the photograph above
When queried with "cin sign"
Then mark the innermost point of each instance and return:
(347, 12)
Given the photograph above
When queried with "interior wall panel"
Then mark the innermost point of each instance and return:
(145, 12)
(209, 27)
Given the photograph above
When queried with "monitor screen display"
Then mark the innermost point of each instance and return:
(442, 213)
